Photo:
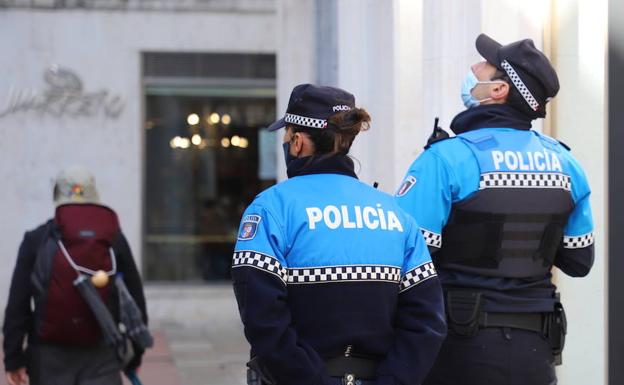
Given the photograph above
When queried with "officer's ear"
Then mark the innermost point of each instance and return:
(499, 92)
(297, 142)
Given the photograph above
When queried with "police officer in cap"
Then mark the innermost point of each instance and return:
(499, 205)
(333, 279)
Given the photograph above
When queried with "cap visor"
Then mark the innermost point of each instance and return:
(488, 48)
(277, 125)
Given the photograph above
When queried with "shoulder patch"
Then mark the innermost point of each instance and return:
(407, 184)
(249, 227)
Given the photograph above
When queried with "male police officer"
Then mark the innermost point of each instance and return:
(499, 205)
(333, 280)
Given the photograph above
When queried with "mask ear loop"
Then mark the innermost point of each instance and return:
(488, 82)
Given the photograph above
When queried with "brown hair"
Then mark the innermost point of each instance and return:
(341, 130)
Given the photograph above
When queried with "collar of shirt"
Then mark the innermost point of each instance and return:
(322, 164)
(490, 116)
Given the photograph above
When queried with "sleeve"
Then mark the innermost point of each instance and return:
(131, 275)
(259, 275)
(132, 279)
(420, 324)
(426, 193)
(575, 255)
(18, 316)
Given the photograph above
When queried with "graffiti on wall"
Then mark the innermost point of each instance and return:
(64, 96)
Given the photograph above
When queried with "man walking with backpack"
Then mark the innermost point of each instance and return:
(64, 340)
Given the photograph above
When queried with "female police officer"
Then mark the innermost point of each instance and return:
(333, 280)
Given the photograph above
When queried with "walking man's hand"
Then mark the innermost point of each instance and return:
(17, 377)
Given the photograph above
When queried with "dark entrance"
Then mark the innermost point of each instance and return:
(207, 154)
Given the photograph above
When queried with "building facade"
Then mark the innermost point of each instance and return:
(166, 102)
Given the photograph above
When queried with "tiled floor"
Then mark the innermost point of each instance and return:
(198, 338)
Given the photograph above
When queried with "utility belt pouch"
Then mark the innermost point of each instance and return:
(257, 374)
(463, 309)
(557, 326)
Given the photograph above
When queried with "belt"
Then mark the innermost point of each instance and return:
(527, 321)
(362, 368)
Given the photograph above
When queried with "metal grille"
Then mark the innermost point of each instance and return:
(209, 65)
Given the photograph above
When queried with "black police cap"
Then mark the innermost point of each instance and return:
(311, 106)
(527, 67)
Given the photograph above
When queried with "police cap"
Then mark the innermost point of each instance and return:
(311, 106)
(527, 67)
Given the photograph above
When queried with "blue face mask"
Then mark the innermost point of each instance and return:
(470, 82)
(287, 156)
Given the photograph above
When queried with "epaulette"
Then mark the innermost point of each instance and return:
(564, 145)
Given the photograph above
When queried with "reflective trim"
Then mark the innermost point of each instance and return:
(259, 261)
(344, 273)
(305, 121)
(417, 276)
(519, 84)
(524, 180)
(579, 241)
(320, 274)
(431, 238)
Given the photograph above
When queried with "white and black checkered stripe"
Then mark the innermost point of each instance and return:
(524, 180)
(305, 121)
(578, 241)
(259, 261)
(344, 273)
(431, 238)
(524, 91)
(417, 276)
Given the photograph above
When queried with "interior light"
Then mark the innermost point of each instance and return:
(214, 118)
(192, 119)
(226, 119)
(236, 140)
(225, 142)
(244, 143)
(184, 143)
(196, 139)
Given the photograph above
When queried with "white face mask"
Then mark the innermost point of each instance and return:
(470, 82)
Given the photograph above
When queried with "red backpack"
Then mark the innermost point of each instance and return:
(78, 241)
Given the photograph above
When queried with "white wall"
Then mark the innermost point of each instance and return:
(580, 121)
(104, 48)
(377, 63)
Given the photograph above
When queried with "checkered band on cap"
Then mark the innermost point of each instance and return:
(344, 273)
(524, 180)
(305, 121)
(431, 238)
(259, 261)
(519, 84)
(578, 242)
(417, 276)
